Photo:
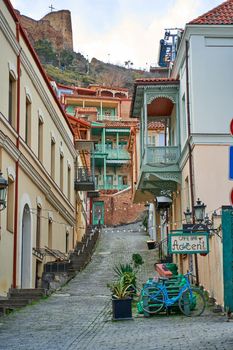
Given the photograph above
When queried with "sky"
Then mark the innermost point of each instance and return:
(116, 31)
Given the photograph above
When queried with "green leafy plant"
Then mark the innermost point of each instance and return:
(122, 268)
(120, 290)
(137, 260)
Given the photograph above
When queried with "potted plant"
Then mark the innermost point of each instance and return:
(121, 300)
(124, 288)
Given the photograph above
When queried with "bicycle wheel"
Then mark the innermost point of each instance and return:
(192, 302)
(152, 300)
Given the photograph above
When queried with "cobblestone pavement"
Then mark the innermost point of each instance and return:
(79, 315)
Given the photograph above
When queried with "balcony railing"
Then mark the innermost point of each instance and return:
(162, 156)
(85, 179)
(108, 117)
(118, 187)
(113, 153)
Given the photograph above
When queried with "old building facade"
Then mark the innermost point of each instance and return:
(37, 157)
(194, 163)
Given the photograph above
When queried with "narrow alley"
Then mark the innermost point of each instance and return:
(79, 315)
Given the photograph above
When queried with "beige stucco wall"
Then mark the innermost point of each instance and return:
(35, 184)
(212, 186)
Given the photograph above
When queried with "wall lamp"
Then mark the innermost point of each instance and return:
(3, 192)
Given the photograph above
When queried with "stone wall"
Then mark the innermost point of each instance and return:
(55, 27)
(119, 209)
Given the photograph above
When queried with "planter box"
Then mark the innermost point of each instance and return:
(151, 244)
(122, 309)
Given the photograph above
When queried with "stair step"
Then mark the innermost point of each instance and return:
(27, 293)
(25, 296)
(14, 302)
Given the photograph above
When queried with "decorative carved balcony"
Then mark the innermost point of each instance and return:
(162, 156)
(85, 179)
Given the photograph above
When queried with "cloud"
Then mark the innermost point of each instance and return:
(119, 30)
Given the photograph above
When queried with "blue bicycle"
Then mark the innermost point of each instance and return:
(155, 297)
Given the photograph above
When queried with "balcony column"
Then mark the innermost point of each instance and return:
(177, 122)
(104, 175)
(103, 139)
(117, 144)
(101, 110)
(141, 135)
(145, 127)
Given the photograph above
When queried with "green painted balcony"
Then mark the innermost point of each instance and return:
(162, 156)
(112, 154)
(159, 170)
(118, 187)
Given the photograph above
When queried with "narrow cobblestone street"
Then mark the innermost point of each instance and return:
(79, 315)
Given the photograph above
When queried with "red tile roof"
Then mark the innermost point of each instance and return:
(222, 14)
(120, 124)
(155, 125)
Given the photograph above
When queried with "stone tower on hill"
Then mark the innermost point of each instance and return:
(55, 27)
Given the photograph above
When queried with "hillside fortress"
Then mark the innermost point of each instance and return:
(55, 27)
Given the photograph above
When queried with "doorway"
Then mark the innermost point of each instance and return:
(98, 213)
(26, 248)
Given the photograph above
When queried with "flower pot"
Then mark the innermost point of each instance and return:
(122, 309)
(151, 244)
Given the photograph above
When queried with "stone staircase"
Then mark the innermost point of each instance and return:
(84, 250)
(18, 298)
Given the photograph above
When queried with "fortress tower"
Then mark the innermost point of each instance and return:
(55, 27)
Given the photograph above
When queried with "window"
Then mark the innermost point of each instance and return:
(108, 145)
(28, 122)
(152, 140)
(122, 180)
(12, 100)
(10, 205)
(96, 180)
(38, 223)
(50, 234)
(61, 171)
(184, 117)
(162, 139)
(67, 242)
(53, 158)
(69, 183)
(109, 181)
(40, 140)
(122, 144)
(187, 193)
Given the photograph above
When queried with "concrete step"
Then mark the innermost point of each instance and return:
(27, 293)
(14, 302)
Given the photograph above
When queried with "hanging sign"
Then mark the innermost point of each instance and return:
(188, 243)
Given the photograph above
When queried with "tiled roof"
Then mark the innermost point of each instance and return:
(156, 80)
(222, 14)
(120, 124)
(155, 125)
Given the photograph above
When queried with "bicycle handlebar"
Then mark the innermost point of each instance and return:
(189, 273)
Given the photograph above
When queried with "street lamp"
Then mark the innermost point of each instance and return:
(3, 191)
(199, 211)
(188, 216)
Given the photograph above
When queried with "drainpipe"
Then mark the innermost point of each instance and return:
(16, 167)
(190, 150)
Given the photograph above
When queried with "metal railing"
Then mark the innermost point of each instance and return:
(108, 117)
(119, 187)
(84, 179)
(162, 156)
(112, 153)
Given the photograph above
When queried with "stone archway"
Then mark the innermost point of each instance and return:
(26, 248)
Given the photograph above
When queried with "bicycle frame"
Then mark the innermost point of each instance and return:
(171, 301)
